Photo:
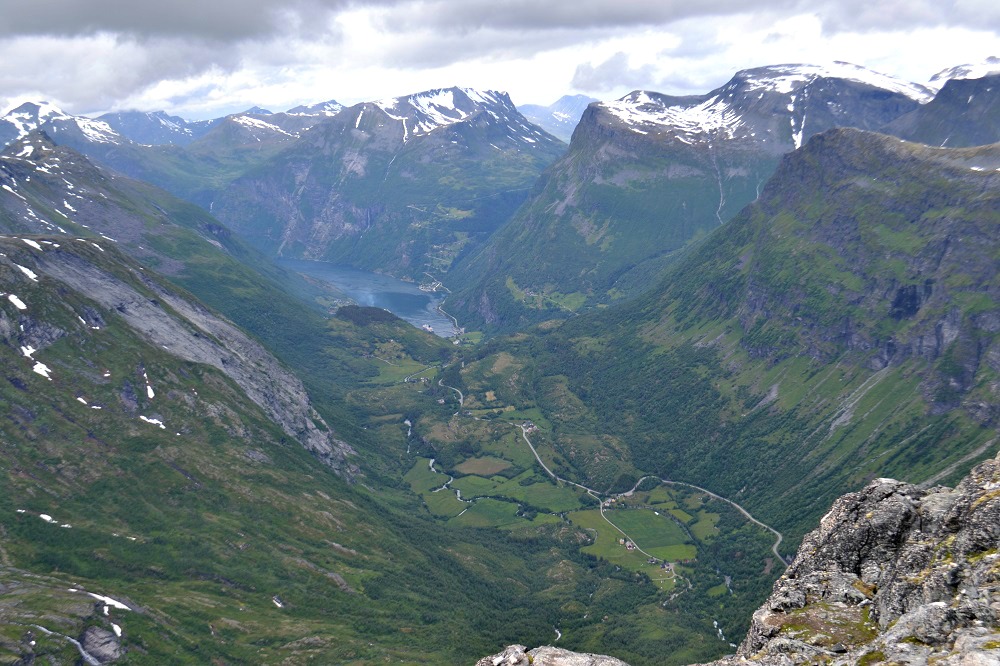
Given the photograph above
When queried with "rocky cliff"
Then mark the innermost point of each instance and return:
(895, 573)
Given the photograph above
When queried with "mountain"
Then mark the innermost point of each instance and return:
(190, 160)
(328, 108)
(27, 117)
(559, 118)
(48, 189)
(169, 321)
(965, 112)
(646, 174)
(400, 185)
(156, 128)
(847, 315)
(988, 67)
(894, 573)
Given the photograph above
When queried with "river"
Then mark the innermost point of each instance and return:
(403, 299)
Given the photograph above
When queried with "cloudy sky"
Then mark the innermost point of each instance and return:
(205, 58)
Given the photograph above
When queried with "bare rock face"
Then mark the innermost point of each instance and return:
(518, 655)
(101, 644)
(193, 333)
(896, 574)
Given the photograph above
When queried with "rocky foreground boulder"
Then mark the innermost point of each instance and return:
(895, 573)
(518, 655)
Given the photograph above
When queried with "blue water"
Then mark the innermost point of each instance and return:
(403, 299)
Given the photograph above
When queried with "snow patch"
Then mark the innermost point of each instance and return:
(42, 369)
(8, 188)
(156, 422)
(711, 117)
(30, 273)
(258, 124)
(18, 303)
(108, 601)
(786, 79)
(32, 244)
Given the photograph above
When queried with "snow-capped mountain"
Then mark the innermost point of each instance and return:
(401, 184)
(424, 112)
(970, 71)
(27, 117)
(777, 105)
(328, 108)
(156, 127)
(558, 119)
(256, 124)
(647, 173)
(255, 128)
(260, 125)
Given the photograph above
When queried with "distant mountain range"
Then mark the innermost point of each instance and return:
(559, 118)
(403, 185)
(426, 186)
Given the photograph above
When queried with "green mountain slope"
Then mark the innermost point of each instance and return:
(648, 173)
(138, 469)
(842, 327)
(234, 516)
(52, 189)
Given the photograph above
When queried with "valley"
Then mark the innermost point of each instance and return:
(243, 421)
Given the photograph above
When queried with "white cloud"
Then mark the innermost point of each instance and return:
(204, 59)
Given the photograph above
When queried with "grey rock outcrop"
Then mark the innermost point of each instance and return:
(518, 655)
(895, 574)
(101, 644)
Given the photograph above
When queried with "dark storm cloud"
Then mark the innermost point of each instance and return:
(836, 15)
(534, 15)
(234, 20)
(214, 20)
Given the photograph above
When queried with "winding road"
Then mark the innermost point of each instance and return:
(746, 514)
(461, 398)
(598, 495)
